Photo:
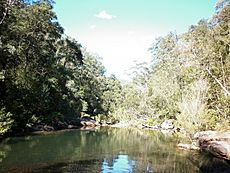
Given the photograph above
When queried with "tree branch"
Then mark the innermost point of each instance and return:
(8, 4)
(218, 81)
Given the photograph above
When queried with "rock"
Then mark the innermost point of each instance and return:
(98, 123)
(48, 128)
(37, 127)
(220, 149)
(204, 134)
(88, 121)
(72, 127)
(188, 147)
(86, 118)
(167, 125)
(89, 128)
(104, 124)
(60, 125)
(145, 126)
(154, 127)
(216, 143)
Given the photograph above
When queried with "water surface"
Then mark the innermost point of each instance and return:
(105, 150)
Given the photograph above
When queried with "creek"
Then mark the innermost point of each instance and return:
(104, 150)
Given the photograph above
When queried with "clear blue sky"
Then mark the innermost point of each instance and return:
(121, 31)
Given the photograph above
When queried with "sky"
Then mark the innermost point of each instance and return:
(122, 31)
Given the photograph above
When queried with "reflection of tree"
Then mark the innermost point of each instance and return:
(210, 164)
(83, 166)
(147, 150)
(4, 149)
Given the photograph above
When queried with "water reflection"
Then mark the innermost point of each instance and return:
(209, 164)
(120, 164)
(103, 150)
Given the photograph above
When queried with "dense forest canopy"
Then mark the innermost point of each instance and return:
(44, 74)
(47, 76)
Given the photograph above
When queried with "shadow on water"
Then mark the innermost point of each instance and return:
(104, 150)
(210, 164)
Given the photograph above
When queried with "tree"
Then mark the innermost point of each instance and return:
(36, 63)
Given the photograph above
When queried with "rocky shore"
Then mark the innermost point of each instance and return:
(216, 143)
(84, 122)
(213, 142)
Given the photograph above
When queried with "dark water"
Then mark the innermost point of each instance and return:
(103, 150)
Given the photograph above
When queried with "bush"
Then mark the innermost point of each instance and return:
(6, 121)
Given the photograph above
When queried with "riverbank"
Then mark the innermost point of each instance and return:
(213, 142)
(57, 125)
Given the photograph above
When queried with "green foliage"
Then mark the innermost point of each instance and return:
(44, 76)
(6, 121)
(189, 80)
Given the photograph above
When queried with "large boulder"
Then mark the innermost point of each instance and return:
(216, 143)
(204, 134)
(88, 122)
